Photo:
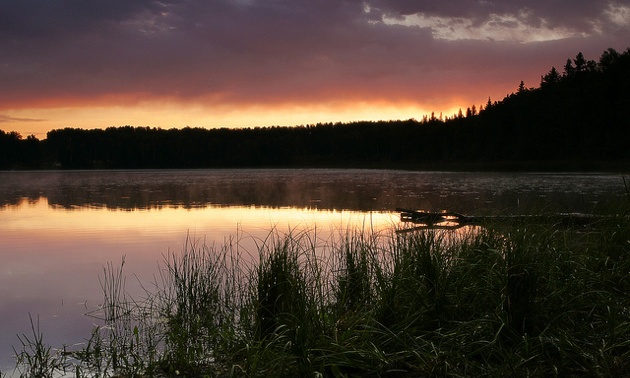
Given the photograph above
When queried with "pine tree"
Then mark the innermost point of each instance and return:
(550, 78)
(608, 58)
(580, 63)
(569, 70)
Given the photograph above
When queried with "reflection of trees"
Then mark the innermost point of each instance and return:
(264, 192)
(315, 189)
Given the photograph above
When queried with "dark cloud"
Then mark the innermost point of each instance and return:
(255, 51)
(35, 18)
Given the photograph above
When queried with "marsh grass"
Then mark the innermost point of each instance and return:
(504, 300)
(36, 358)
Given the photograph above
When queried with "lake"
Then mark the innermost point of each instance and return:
(59, 229)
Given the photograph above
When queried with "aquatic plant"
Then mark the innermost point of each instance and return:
(35, 358)
(506, 299)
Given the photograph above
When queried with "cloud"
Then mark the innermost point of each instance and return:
(6, 118)
(579, 15)
(125, 52)
(37, 18)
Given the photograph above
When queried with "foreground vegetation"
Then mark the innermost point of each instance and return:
(515, 300)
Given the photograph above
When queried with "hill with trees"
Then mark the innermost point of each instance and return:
(576, 118)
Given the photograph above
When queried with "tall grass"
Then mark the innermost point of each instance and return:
(521, 300)
(36, 358)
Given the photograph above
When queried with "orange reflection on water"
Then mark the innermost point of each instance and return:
(52, 257)
(38, 219)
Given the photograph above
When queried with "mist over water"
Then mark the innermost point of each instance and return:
(321, 189)
(58, 229)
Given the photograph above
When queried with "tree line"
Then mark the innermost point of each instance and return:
(578, 116)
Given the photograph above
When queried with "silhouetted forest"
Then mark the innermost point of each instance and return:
(576, 118)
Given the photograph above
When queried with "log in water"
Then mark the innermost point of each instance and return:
(452, 220)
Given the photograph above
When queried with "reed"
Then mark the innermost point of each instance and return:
(35, 358)
(521, 299)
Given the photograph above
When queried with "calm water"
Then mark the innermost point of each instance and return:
(58, 229)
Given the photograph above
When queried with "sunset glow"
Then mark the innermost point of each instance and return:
(175, 222)
(173, 64)
(172, 115)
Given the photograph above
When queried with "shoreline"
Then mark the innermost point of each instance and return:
(549, 166)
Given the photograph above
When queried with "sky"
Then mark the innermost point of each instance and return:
(247, 63)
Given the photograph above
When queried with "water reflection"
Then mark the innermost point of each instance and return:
(358, 190)
(58, 229)
(52, 256)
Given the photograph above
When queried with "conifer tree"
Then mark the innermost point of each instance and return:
(569, 70)
(580, 63)
(551, 77)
